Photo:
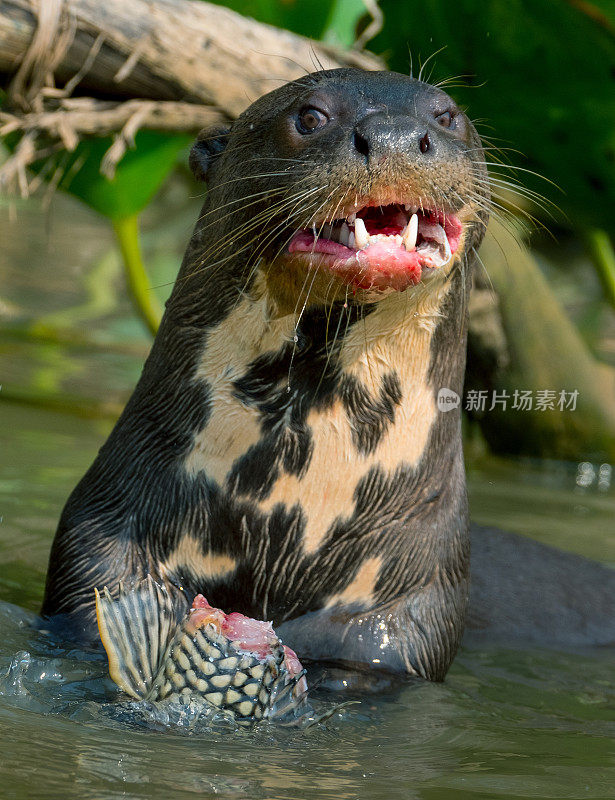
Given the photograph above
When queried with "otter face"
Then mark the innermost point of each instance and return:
(357, 184)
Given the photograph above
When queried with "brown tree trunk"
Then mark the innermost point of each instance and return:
(178, 50)
(175, 65)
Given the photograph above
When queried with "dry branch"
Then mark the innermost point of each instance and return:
(78, 117)
(164, 64)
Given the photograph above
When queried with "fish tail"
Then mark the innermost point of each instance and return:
(287, 695)
(136, 628)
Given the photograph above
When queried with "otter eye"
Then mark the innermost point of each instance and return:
(447, 120)
(310, 120)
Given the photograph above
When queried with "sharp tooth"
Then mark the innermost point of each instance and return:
(447, 249)
(351, 218)
(351, 240)
(437, 232)
(326, 232)
(410, 232)
(344, 234)
(361, 235)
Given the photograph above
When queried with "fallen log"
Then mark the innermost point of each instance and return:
(73, 68)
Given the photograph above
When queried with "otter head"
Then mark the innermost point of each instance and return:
(346, 185)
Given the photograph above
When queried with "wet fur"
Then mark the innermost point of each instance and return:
(282, 453)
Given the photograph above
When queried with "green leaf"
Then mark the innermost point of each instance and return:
(543, 77)
(137, 178)
(307, 17)
(332, 21)
(341, 26)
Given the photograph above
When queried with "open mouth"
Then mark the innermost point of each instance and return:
(382, 247)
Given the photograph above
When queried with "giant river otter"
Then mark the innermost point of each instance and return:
(283, 452)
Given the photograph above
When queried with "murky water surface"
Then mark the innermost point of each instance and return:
(507, 723)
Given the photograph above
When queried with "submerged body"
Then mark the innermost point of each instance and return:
(233, 663)
(283, 453)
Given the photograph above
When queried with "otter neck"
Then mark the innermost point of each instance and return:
(359, 385)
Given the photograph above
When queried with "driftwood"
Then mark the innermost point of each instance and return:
(167, 65)
(78, 68)
(522, 339)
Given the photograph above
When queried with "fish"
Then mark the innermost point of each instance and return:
(235, 664)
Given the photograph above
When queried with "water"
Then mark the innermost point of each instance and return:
(507, 723)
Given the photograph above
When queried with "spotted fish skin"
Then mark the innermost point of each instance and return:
(230, 661)
(206, 662)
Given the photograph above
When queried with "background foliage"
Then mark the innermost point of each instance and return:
(538, 78)
(537, 75)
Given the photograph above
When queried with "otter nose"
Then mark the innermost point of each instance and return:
(378, 136)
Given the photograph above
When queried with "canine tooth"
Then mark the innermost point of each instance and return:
(410, 232)
(344, 234)
(326, 231)
(439, 234)
(351, 240)
(361, 235)
(447, 249)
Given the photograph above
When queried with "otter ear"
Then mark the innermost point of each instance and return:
(209, 144)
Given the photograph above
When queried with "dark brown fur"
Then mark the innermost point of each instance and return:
(282, 453)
